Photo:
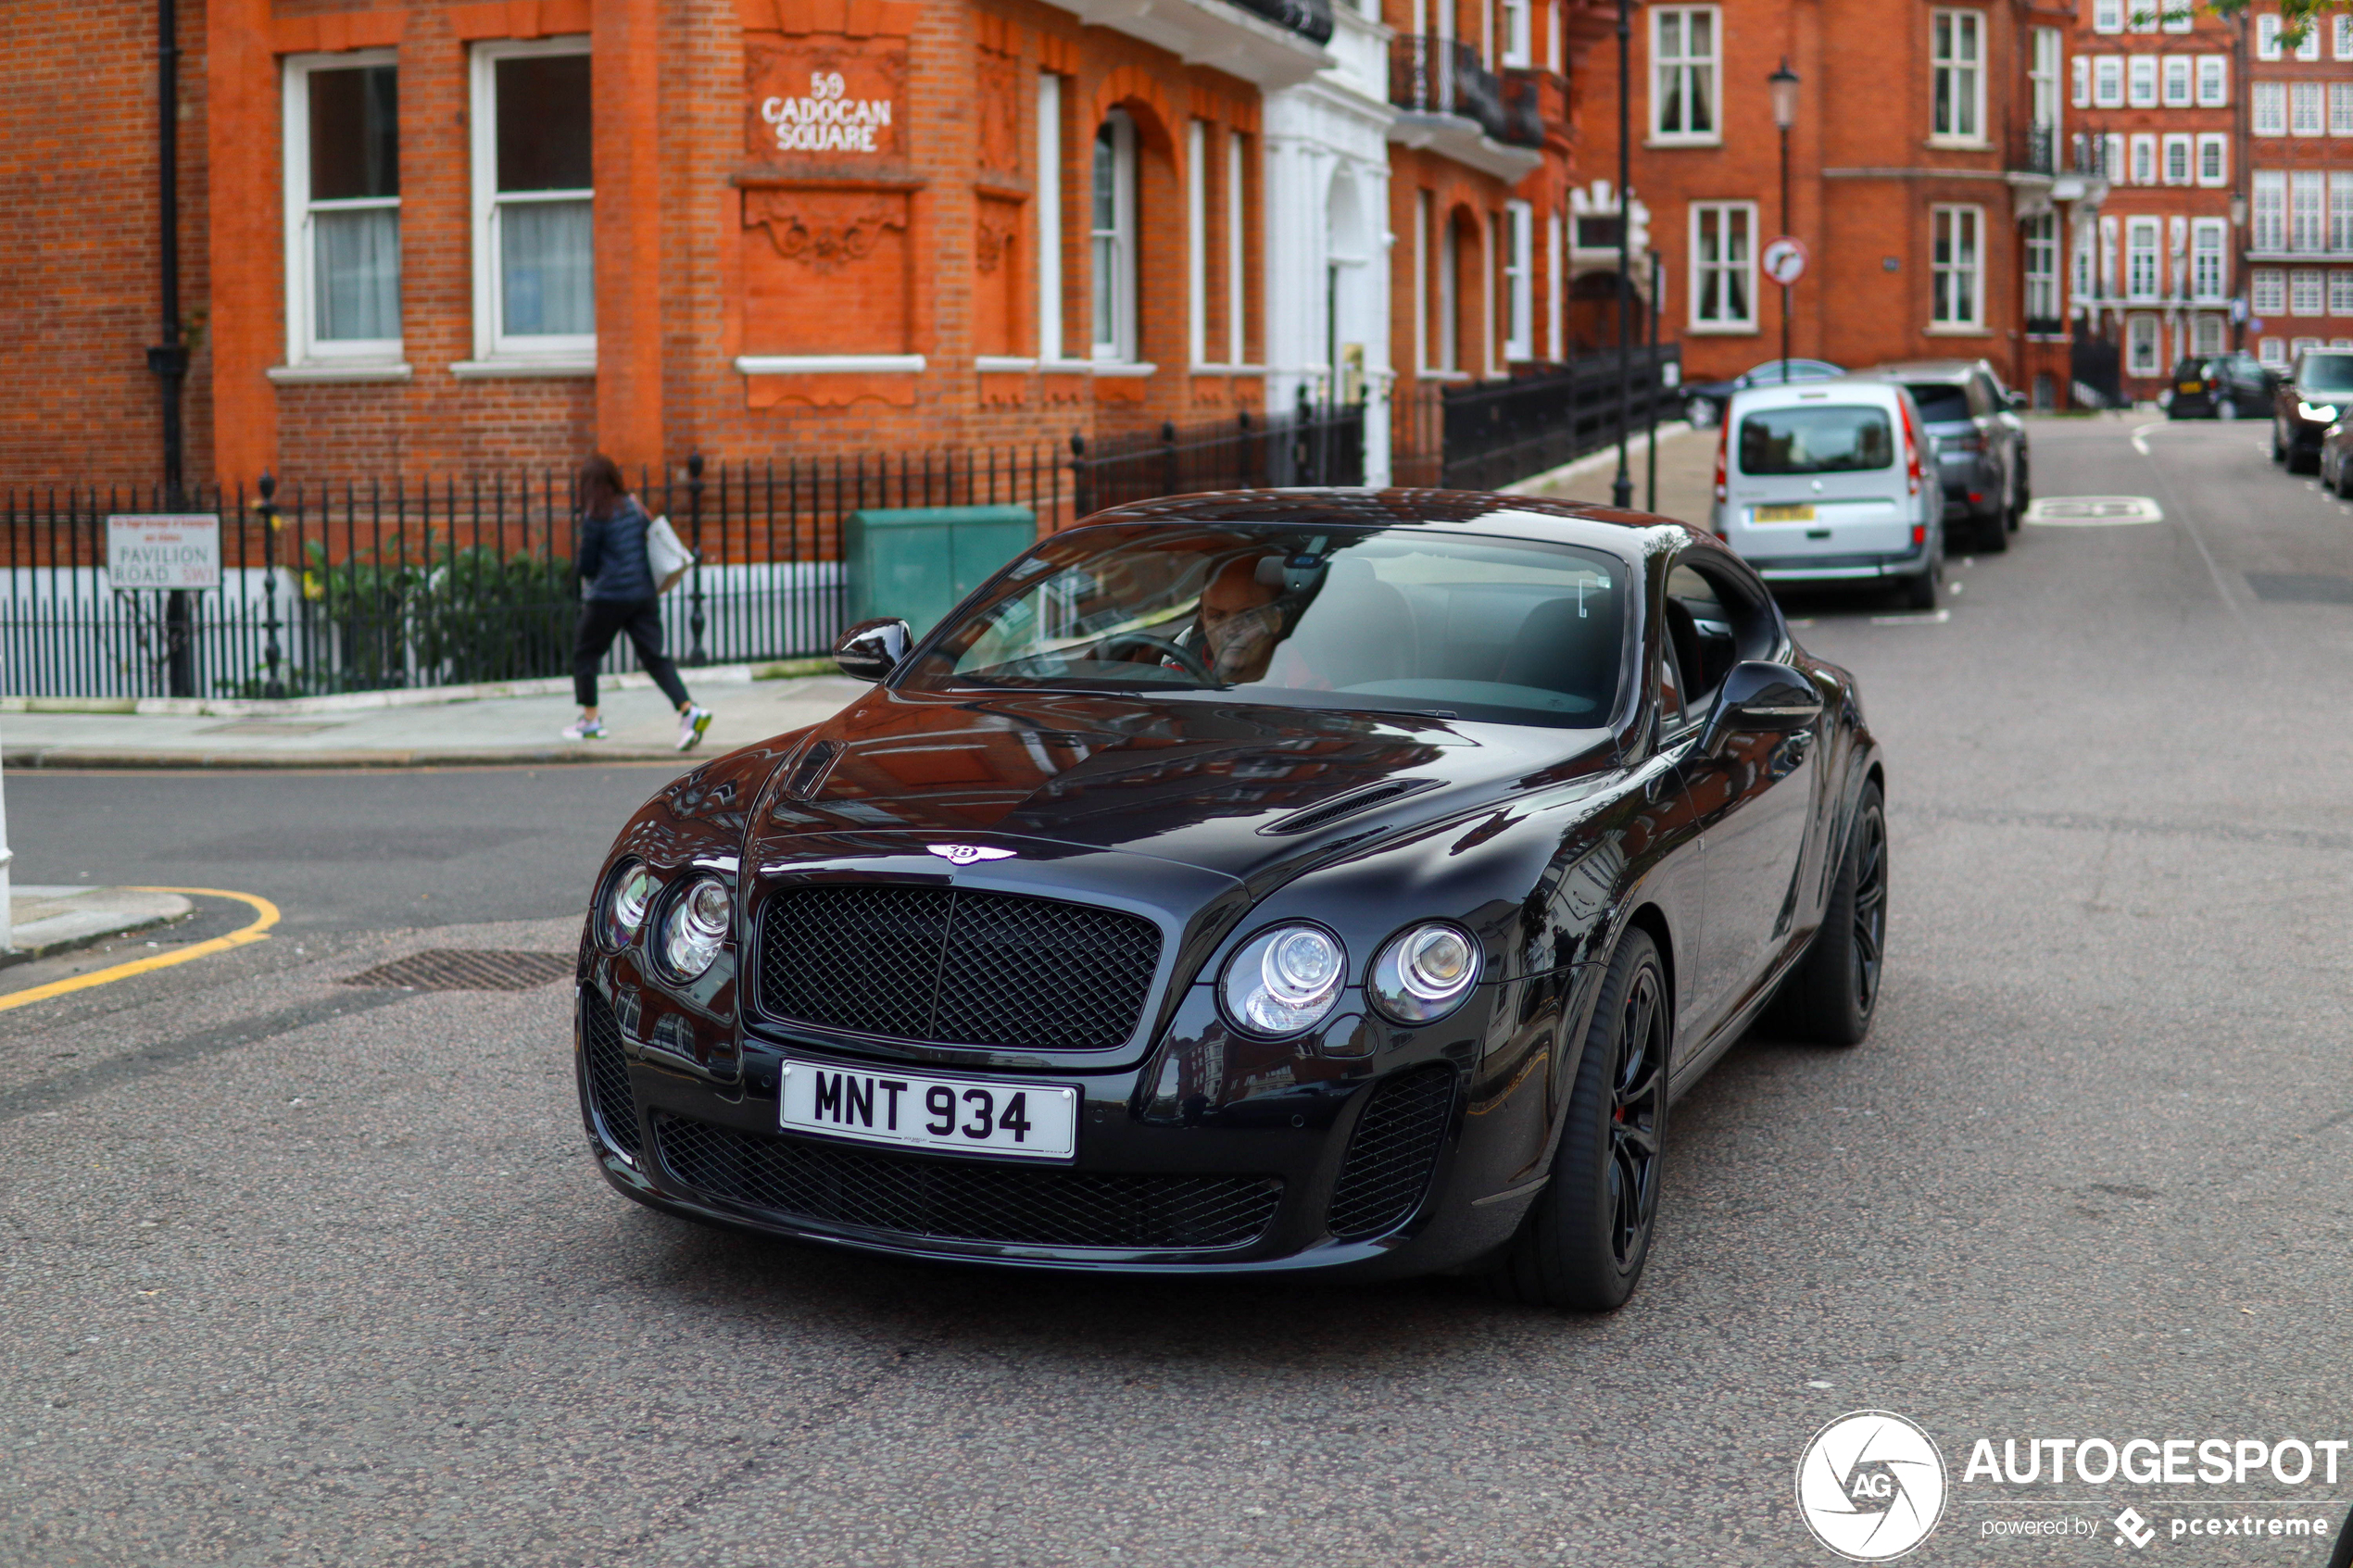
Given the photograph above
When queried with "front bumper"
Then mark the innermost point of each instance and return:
(1215, 1155)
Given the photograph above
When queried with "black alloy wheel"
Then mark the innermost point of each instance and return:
(1833, 994)
(1585, 1240)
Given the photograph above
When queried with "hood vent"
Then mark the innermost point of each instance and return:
(808, 771)
(1347, 805)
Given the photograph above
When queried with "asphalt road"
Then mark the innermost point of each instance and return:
(294, 1272)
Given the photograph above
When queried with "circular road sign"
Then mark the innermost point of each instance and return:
(1785, 260)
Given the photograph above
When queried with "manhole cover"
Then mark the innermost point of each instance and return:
(2301, 588)
(460, 969)
(2093, 511)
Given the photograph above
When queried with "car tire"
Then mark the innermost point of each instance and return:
(1994, 532)
(2226, 408)
(2279, 447)
(1920, 593)
(1583, 1244)
(2344, 482)
(1832, 996)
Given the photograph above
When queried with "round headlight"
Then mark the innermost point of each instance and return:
(696, 928)
(1285, 980)
(1425, 972)
(627, 897)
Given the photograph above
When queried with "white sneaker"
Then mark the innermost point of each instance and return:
(585, 729)
(691, 724)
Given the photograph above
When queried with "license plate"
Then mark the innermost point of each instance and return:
(917, 1110)
(2193, 386)
(1785, 514)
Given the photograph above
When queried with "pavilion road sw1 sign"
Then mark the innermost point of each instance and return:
(828, 119)
(163, 550)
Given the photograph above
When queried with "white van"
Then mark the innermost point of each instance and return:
(1831, 482)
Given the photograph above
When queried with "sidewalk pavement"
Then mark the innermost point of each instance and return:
(45, 922)
(1686, 475)
(470, 730)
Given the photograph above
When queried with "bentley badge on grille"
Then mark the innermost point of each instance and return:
(965, 854)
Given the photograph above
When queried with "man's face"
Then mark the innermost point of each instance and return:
(1239, 621)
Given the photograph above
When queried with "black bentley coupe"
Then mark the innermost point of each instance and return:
(1272, 880)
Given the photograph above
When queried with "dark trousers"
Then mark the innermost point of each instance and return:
(599, 620)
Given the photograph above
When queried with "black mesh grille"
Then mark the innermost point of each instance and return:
(965, 1201)
(608, 1073)
(957, 968)
(1392, 1152)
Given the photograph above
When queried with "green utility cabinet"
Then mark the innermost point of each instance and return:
(917, 562)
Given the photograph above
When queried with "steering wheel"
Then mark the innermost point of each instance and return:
(1178, 651)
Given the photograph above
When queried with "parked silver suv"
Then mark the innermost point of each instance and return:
(1980, 447)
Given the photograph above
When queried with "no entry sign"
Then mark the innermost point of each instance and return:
(1784, 261)
(163, 550)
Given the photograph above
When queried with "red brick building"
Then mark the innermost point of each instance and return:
(2297, 117)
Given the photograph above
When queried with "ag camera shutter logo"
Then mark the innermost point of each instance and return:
(1871, 1486)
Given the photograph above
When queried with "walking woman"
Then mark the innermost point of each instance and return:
(621, 596)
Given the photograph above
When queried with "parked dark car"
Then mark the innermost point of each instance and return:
(2306, 401)
(2222, 386)
(2336, 445)
(1271, 880)
(1704, 402)
(1980, 447)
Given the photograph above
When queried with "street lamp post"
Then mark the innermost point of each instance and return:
(2239, 315)
(1784, 85)
(1621, 489)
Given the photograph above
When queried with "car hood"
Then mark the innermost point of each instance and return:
(1239, 789)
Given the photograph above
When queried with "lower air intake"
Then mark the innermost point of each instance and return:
(1392, 1153)
(965, 1201)
(608, 1074)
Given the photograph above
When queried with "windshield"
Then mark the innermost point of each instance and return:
(1386, 619)
(1828, 440)
(1941, 403)
(2331, 373)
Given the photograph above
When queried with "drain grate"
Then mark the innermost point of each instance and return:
(461, 969)
(2301, 588)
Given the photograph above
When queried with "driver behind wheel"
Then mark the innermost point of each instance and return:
(1240, 622)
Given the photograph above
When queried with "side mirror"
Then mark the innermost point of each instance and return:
(872, 649)
(2018, 401)
(1759, 697)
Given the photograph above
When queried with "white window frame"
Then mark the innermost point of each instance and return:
(1120, 348)
(1743, 270)
(1950, 279)
(2272, 351)
(2039, 236)
(2213, 81)
(1236, 242)
(1965, 90)
(1197, 242)
(2042, 76)
(2209, 258)
(2214, 158)
(2268, 213)
(2341, 291)
(2141, 15)
(2308, 292)
(2344, 37)
(304, 346)
(2340, 221)
(492, 345)
(1450, 292)
(2266, 110)
(2179, 16)
(1708, 68)
(2267, 292)
(2176, 90)
(2298, 345)
(2307, 110)
(2267, 35)
(1519, 37)
(1050, 217)
(2140, 82)
(1555, 293)
(2308, 212)
(2107, 81)
(2308, 47)
(2143, 346)
(2083, 73)
(2341, 108)
(2173, 163)
(2143, 156)
(2144, 259)
(2107, 16)
(2206, 335)
(1519, 280)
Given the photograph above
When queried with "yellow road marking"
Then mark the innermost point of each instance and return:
(267, 916)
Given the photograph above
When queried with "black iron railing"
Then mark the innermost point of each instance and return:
(1310, 445)
(1524, 94)
(1484, 434)
(2037, 151)
(1432, 75)
(328, 588)
(1310, 19)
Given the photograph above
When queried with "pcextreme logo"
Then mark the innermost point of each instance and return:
(1871, 1486)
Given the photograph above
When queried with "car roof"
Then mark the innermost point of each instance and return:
(1796, 392)
(1929, 370)
(1632, 536)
